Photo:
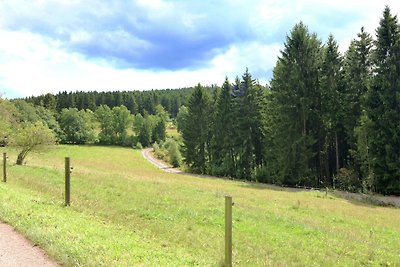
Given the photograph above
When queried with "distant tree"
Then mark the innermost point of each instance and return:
(144, 127)
(161, 119)
(9, 117)
(175, 157)
(181, 118)
(77, 126)
(31, 137)
(50, 102)
(122, 121)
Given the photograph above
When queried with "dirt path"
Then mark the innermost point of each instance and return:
(17, 251)
(377, 199)
(147, 154)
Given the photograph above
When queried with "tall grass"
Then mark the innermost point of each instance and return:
(126, 212)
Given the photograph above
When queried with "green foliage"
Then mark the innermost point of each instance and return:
(195, 131)
(383, 108)
(357, 73)
(181, 117)
(151, 128)
(78, 127)
(168, 151)
(347, 180)
(223, 144)
(114, 124)
(9, 117)
(296, 111)
(31, 137)
(175, 157)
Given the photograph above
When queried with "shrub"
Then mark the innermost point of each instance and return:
(175, 157)
(347, 180)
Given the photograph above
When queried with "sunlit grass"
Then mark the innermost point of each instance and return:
(126, 212)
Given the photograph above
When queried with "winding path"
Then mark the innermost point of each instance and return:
(17, 251)
(146, 153)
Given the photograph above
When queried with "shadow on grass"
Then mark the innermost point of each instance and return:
(360, 199)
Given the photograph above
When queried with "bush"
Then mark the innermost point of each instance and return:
(138, 145)
(175, 157)
(347, 180)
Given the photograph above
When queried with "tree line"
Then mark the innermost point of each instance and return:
(30, 127)
(325, 120)
(135, 101)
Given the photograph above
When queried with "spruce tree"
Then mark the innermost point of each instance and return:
(250, 127)
(357, 79)
(331, 109)
(296, 118)
(223, 145)
(195, 131)
(383, 106)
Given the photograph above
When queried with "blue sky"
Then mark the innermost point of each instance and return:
(49, 46)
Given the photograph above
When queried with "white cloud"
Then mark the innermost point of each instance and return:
(32, 63)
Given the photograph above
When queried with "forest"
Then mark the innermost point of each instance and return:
(326, 119)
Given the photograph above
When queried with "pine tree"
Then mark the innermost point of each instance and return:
(357, 73)
(195, 131)
(383, 106)
(223, 141)
(331, 108)
(296, 98)
(250, 127)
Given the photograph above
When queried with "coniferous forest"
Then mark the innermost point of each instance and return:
(326, 119)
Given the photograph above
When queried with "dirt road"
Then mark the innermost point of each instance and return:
(17, 251)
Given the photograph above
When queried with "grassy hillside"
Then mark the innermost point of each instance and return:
(126, 212)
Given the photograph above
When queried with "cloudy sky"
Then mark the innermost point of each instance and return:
(49, 46)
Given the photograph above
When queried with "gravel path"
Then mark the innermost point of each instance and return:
(147, 154)
(17, 251)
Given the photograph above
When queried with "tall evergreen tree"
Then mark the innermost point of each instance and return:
(296, 102)
(357, 73)
(331, 108)
(250, 126)
(223, 141)
(383, 106)
(195, 131)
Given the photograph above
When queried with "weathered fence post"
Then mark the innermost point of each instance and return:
(4, 167)
(67, 181)
(228, 231)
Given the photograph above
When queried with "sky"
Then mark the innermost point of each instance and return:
(52, 46)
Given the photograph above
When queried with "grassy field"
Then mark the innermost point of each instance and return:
(125, 212)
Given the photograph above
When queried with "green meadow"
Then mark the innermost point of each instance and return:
(126, 212)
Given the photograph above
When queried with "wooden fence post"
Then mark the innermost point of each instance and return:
(67, 181)
(228, 231)
(4, 167)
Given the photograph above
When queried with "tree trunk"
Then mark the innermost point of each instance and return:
(337, 153)
(20, 158)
